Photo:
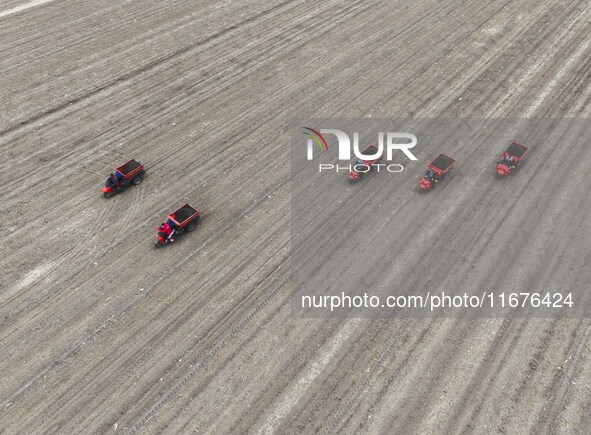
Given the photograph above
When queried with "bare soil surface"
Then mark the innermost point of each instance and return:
(101, 332)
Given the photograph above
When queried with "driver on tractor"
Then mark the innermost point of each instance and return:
(509, 160)
(168, 229)
(114, 180)
(431, 176)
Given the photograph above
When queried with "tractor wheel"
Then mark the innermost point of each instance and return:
(137, 180)
(107, 194)
(191, 226)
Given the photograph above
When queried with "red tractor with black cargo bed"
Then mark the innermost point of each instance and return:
(511, 158)
(437, 170)
(183, 219)
(131, 172)
(362, 166)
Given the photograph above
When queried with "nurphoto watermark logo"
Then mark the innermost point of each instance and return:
(371, 158)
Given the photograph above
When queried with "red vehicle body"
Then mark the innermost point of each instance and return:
(436, 171)
(131, 172)
(511, 158)
(362, 164)
(183, 219)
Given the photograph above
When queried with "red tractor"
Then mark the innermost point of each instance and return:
(436, 171)
(511, 158)
(131, 172)
(183, 219)
(364, 166)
